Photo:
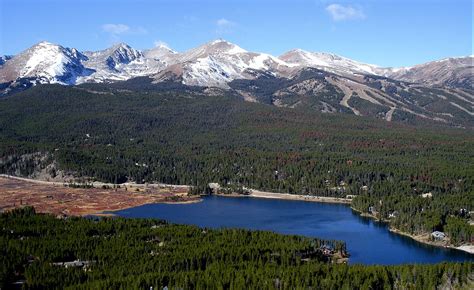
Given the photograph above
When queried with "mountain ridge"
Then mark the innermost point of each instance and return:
(211, 55)
(440, 91)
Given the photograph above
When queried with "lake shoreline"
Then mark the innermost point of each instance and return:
(368, 242)
(423, 238)
(287, 196)
(152, 199)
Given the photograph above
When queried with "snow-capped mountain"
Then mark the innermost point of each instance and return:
(217, 63)
(439, 91)
(161, 53)
(213, 64)
(119, 62)
(328, 62)
(455, 72)
(114, 57)
(45, 63)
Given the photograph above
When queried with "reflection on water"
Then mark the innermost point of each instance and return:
(368, 242)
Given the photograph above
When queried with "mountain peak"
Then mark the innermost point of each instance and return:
(45, 43)
(114, 56)
(42, 45)
(46, 63)
(121, 45)
(124, 49)
(162, 48)
(219, 40)
(221, 45)
(296, 50)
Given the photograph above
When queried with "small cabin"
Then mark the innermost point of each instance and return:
(393, 214)
(427, 195)
(215, 187)
(437, 235)
(327, 250)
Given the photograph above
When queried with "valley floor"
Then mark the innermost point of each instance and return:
(60, 199)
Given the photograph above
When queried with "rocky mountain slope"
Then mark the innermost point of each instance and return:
(363, 95)
(117, 63)
(439, 91)
(217, 63)
(45, 63)
(452, 72)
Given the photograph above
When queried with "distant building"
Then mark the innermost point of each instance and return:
(327, 250)
(76, 263)
(215, 187)
(393, 215)
(427, 195)
(438, 235)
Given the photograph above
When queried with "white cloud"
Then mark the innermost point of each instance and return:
(160, 43)
(224, 26)
(224, 22)
(115, 28)
(340, 12)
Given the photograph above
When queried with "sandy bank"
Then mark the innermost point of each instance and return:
(286, 196)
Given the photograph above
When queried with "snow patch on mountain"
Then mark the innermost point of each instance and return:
(47, 60)
(161, 53)
(327, 61)
(119, 62)
(47, 63)
(215, 63)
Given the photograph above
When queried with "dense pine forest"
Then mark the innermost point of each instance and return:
(138, 131)
(188, 138)
(45, 252)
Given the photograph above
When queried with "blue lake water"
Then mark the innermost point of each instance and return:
(368, 242)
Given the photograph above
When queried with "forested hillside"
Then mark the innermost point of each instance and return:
(188, 136)
(144, 253)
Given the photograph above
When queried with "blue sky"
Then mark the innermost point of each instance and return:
(383, 32)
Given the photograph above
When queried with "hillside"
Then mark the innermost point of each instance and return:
(193, 137)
